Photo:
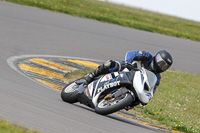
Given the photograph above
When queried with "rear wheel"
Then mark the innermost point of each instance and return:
(112, 103)
(70, 93)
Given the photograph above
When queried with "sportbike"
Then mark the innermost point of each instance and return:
(112, 92)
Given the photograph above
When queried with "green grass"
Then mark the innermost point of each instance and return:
(76, 75)
(120, 15)
(6, 127)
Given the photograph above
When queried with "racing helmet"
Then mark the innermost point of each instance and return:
(161, 61)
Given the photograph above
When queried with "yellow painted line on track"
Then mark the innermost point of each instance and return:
(42, 71)
(51, 85)
(175, 131)
(50, 64)
(147, 124)
(84, 63)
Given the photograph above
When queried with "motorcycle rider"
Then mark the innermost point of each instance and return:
(156, 64)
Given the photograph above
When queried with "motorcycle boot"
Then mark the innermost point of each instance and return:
(102, 69)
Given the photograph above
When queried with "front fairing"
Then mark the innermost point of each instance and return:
(143, 83)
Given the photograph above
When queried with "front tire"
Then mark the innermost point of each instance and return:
(105, 107)
(70, 93)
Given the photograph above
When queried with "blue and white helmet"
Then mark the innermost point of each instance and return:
(161, 61)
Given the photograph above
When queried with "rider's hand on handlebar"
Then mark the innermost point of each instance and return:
(129, 66)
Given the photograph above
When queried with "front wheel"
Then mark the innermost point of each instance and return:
(70, 93)
(111, 105)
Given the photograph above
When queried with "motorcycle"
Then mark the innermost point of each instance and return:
(114, 91)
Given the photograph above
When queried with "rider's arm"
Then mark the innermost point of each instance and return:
(138, 56)
(158, 82)
(130, 57)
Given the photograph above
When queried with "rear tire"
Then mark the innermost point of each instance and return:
(70, 93)
(104, 109)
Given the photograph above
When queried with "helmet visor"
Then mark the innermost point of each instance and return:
(161, 63)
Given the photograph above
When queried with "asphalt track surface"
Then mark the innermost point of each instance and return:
(32, 31)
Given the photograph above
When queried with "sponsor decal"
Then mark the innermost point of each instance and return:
(87, 92)
(109, 85)
(90, 88)
(106, 77)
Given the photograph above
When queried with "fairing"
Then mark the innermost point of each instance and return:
(143, 84)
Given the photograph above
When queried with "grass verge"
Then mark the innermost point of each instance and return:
(6, 127)
(76, 75)
(121, 15)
